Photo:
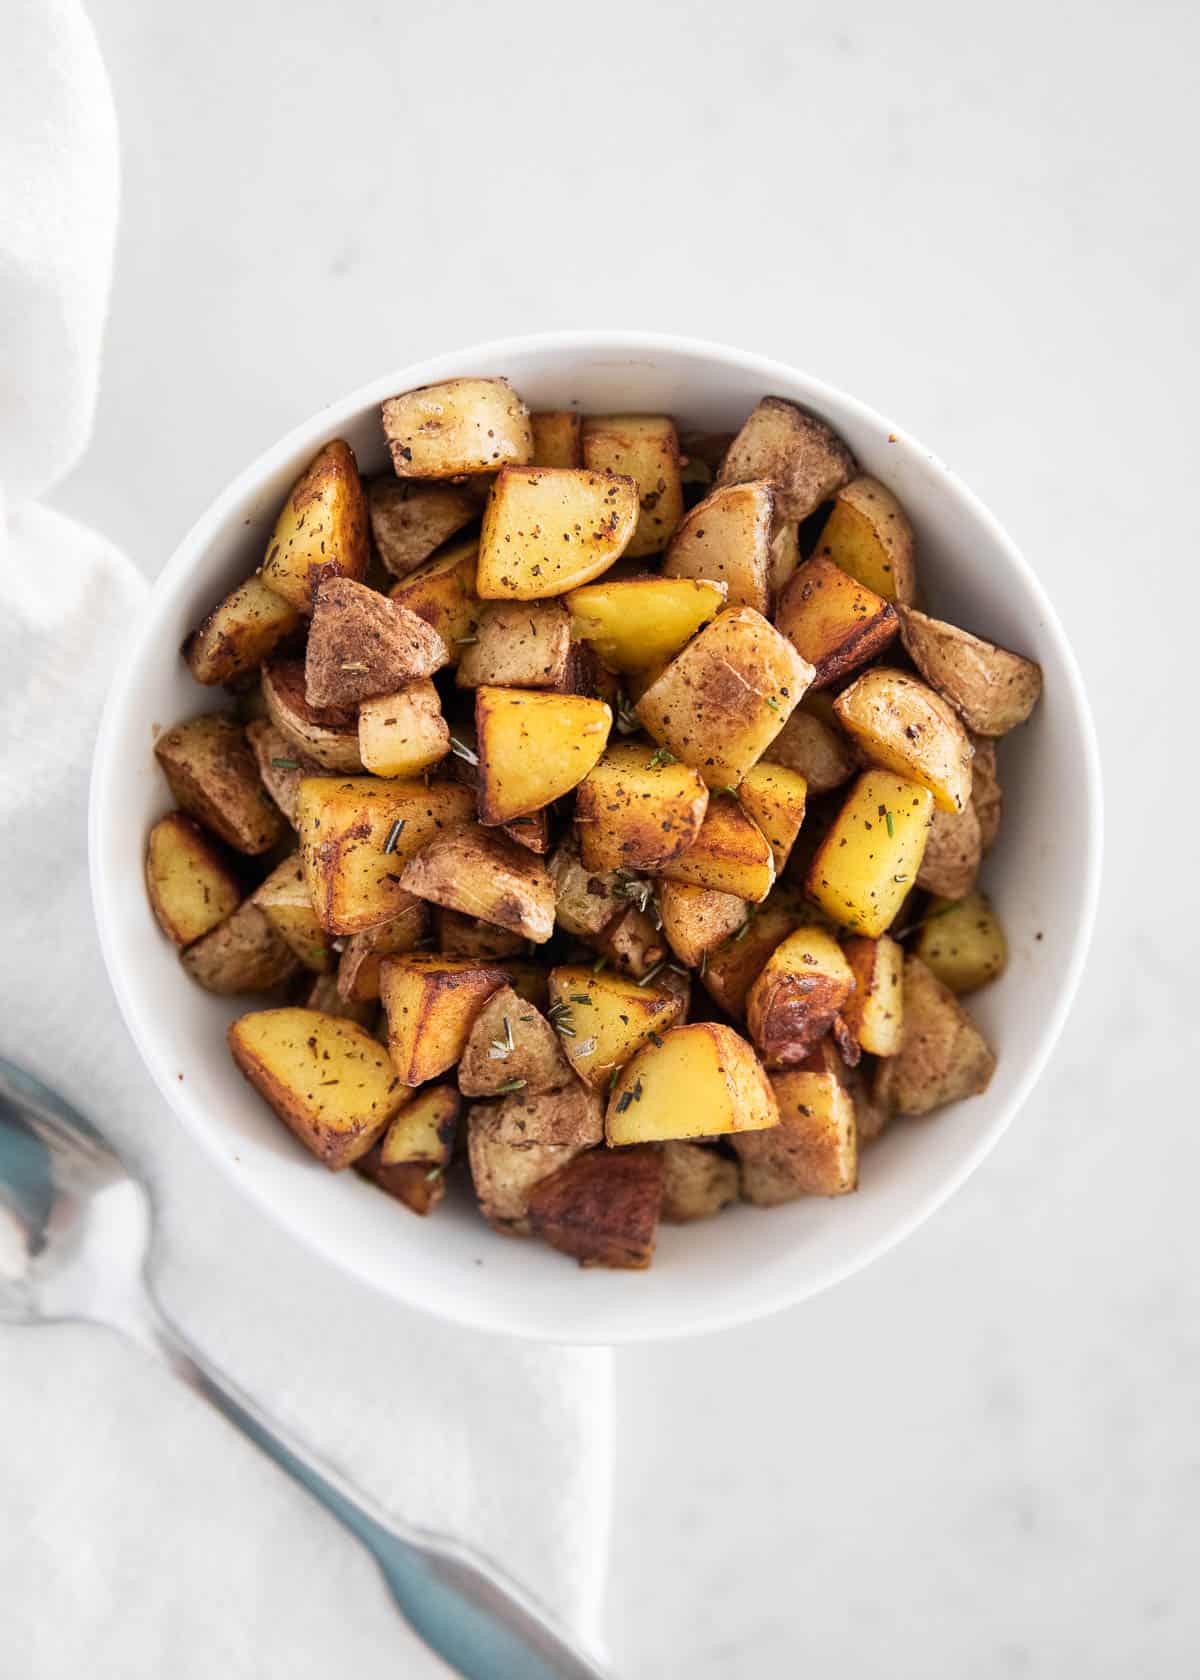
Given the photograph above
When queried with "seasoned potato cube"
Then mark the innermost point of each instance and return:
(411, 1157)
(774, 797)
(727, 538)
(356, 834)
(814, 1149)
(411, 521)
(239, 633)
(732, 968)
(632, 943)
(953, 853)
(834, 621)
(804, 983)
(242, 954)
(328, 1080)
(731, 854)
(212, 773)
(557, 438)
(943, 1055)
(459, 426)
(322, 531)
(874, 1011)
(865, 867)
(485, 875)
(548, 529)
(518, 645)
(362, 644)
(601, 1208)
(457, 935)
(431, 1003)
(569, 1115)
(638, 623)
(534, 747)
(868, 535)
(991, 689)
(585, 900)
(800, 457)
(697, 1182)
(512, 1047)
(189, 887)
(645, 447)
(812, 744)
(637, 809)
(722, 701)
(363, 953)
(281, 765)
(904, 726)
(962, 944)
(404, 733)
(327, 734)
(604, 1019)
(284, 900)
(442, 592)
(701, 1080)
(986, 794)
(505, 1174)
(696, 920)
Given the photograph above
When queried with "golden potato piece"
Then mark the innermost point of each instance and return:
(637, 809)
(604, 1019)
(991, 689)
(814, 1149)
(557, 438)
(834, 621)
(442, 592)
(328, 1080)
(459, 426)
(804, 983)
(638, 623)
(548, 529)
(327, 734)
(585, 900)
(800, 457)
(733, 967)
(874, 1011)
(602, 1208)
(868, 535)
(512, 1047)
(902, 725)
(943, 1055)
(986, 794)
(485, 875)
(727, 538)
(722, 701)
(189, 887)
(411, 1157)
(362, 644)
(456, 935)
(646, 448)
(431, 1003)
(775, 798)
(813, 745)
(214, 777)
(518, 644)
(697, 1182)
(534, 747)
(953, 853)
(505, 1174)
(239, 633)
(411, 521)
(731, 854)
(322, 531)
(363, 953)
(702, 1080)
(867, 864)
(404, 733)
(696, 921)
(962, 944)
(570, 1115)
(281, 765)
(284, 900)
(242, 954)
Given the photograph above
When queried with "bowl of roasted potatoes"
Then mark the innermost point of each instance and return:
(597, 834)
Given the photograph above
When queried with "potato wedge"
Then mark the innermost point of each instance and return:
(722, 701)
(774, 798)
(505, 1174)
(874, 1011)
(411, 521)
(281, 766)
(814, 1149)
(697, 1182)
(702, 1080)
(356, 834)
(604, 1019)
(991, 689)
(485, 875)
(517, 645)
(409, 1162)
(363, 644)
(731, 854)
(585, 900)
(943, 1056)
(733, 967)
(431, 1003)
(456, 427)
(953, 853)
(868, 535)
(442, 592)
(239, 633)
(328, 735)
(645, 448)
(242, 954)
(803, 984)
(632, 943)
(636, 624)
(189, 887)
(800, 457)
(962, 943)
(546, 530)
(637, 809)
(322, 531)
(866, 865)
(531, 831)
(404, 733)
(363, 953)
(284, 900)
(328, 1080)
(902, 725)
(815, 747)
(834, 621)
(512, 1047)
(601, 1208)
(727, 538)
(569, 1116)
(214, 777)
(696, 921)
(533, 748)
(456, 935)
(557, 438)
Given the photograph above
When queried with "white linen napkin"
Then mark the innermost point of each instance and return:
(141, 1536)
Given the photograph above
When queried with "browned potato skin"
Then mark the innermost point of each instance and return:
(362, 953)
(531, 831)
(697, 1182)
(602, 1208)
(812, 743)
(519, 644)
(585, 900)
(631, 942)
(570, 1116)
(243, 954)
(431, 1004)
(634, 811)
(991, 689)
(557, 438)
(456, 935)
(733, 967)
(986, 794)
(410, 521)
(832, 621)
(281, 779)
(323, 996)
(814, 1149)
(421, 1188)
(284, 900)
(327, 497)
(482, 874)
(327, 735)
(505, 1174)
(362, 644)
(792, 1004)
(943, 1056)
(190, 907)
(212, 773)
(696, 920)
(953, 853)
(726, 538)
(239, 633)
(535, 1056)
(455, 427)
(904, 726)
(801, 457)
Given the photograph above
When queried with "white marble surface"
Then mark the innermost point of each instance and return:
(978, 1457)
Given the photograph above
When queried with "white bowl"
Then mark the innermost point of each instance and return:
(1044, 876)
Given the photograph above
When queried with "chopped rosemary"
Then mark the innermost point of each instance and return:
(586, 1047)
(559, 1017)
(651, 972)
(659, 757)
(500, 1047)
(510, 1085)
(434, 1173)
(891, 827)
(394, 833)
(600, 964)
(465, 641)
(634, 888)
(285, 764)
(461, 750)
(624, 1101)
(580, 997)
(772, 702)
(352, 665)
(656, 1041)
(628, 722)
(899, 878)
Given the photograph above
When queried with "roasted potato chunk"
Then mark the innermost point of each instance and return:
(585, 900)
(697, 1182)
(323, 996)
(731, 854)
(962, 944)
(727, 538)
(866, 865)
(456, 427)
(785, 557)
(512, 1047)
(411, 1157)
(814, 746)
(431, 1003)
(601, 1208)
(570, 1116)
(646, 448)
(557, 438)
(733, 967)
(505, 1174)
(696, 920)
(362, 644)
(804, 984)
(943, 1056)
(774, 798)
(531, 831)
(904, 726)
(604, 1019)
(442, 592)
(953, 853)
(281, 765)
(363, 953)
(636, 624)
(991, 689)
(214, 777)
(322, 531)
(546, 530)
(242, 954)
(328, 1080)
(632, 943)
(284, 900)
(518, 645)
(411, 521)
(404, 733)
(239, 633)
(868, 535)
(326, 734)
(986, 794)
(638, 809)
(814, 1149)
(800, 457)
(702, 1079)
(834, 621)
(533, 748)
(722, 701)
(485, 875)
(189, 886)
(874, 1011)
(456, 935)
